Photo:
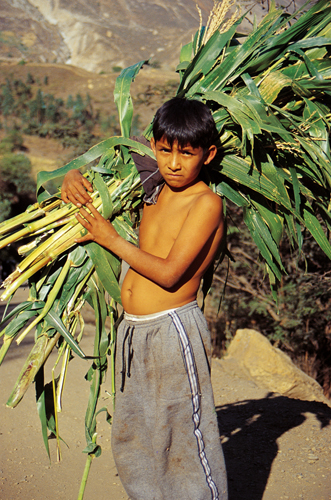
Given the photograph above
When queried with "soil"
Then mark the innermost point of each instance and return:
(275, 447)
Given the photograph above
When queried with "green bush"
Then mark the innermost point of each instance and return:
(11, 142)
(17, 188)
(15, 173)
(44, 114)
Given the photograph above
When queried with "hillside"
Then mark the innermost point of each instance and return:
(100, 35)
(149, 90)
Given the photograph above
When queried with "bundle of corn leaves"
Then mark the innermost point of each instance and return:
(270, 95)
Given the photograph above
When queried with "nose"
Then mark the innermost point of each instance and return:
(174, 163)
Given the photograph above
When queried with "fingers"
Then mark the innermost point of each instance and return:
(84, 219)
(75, 187)
(98, 228)
(93, 210)
(88, 218)
(81, 194)
(64, 196)
(78, 196)
(87, 185)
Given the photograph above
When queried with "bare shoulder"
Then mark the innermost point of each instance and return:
(208, 203)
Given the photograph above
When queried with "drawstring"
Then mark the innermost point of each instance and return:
(127, 337)
(130, 352)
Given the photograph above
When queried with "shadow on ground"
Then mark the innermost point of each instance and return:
(250, 430)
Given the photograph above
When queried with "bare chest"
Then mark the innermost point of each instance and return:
(160, 227)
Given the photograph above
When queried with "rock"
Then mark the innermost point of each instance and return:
(98, 35)
(251, 355)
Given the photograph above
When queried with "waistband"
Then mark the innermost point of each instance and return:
(149, 317)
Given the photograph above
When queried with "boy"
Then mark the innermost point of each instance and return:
(165, 439)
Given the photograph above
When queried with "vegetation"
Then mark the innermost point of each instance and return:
(270, 99)
(16, 185)
(299, 322)
(35, 112)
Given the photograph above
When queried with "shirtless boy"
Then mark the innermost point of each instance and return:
(165, 438)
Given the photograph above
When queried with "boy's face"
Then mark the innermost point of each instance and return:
(180, 166)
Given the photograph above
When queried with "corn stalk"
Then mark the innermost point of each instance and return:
(271, 100)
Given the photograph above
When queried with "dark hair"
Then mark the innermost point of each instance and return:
(187, 121)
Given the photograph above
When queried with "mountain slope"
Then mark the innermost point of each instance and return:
(98, 34)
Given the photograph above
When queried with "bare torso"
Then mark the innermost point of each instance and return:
(159, 229)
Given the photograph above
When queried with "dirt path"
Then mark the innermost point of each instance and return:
(275, 447)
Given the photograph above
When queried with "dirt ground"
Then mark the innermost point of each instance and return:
(275, 447)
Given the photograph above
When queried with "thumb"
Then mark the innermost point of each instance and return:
(83, 239)
(86, 237)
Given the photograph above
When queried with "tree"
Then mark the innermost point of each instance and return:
(7, 100)
(17, 187)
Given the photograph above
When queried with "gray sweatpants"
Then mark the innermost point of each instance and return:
(165, 438)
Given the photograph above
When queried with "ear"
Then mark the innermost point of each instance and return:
(153, 145)
(210, 154)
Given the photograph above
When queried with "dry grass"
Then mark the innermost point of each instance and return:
(216, 20)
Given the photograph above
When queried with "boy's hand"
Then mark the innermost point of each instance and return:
(99, 229)
(74, 188)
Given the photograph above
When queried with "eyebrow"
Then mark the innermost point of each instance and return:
(181, 148)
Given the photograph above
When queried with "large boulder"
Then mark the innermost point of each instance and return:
(252, 356)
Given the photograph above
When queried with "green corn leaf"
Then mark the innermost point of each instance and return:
(239, 171)
(266, 235)
(107, 205)
(273, 84)
(122, 96)
(104, 270)
(206, 58)
(310, 65)
(318, 126)
(273, 220)
(41, 407)
(182, 67)
(297, 201)
(313, 225)
(22, 318)
(322, 167)
(124, 229)
(14, 312)
(186, 52)
(101, 345)
(53, 320)
(228, 71)
(263, 240)
(224, 189)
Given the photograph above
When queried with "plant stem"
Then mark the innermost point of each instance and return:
(5, 346)
(49, 302)
(23, 277)
(86, 471)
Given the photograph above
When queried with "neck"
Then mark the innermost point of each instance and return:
(187, 187)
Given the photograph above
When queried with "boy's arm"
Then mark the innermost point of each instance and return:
(203, 223)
